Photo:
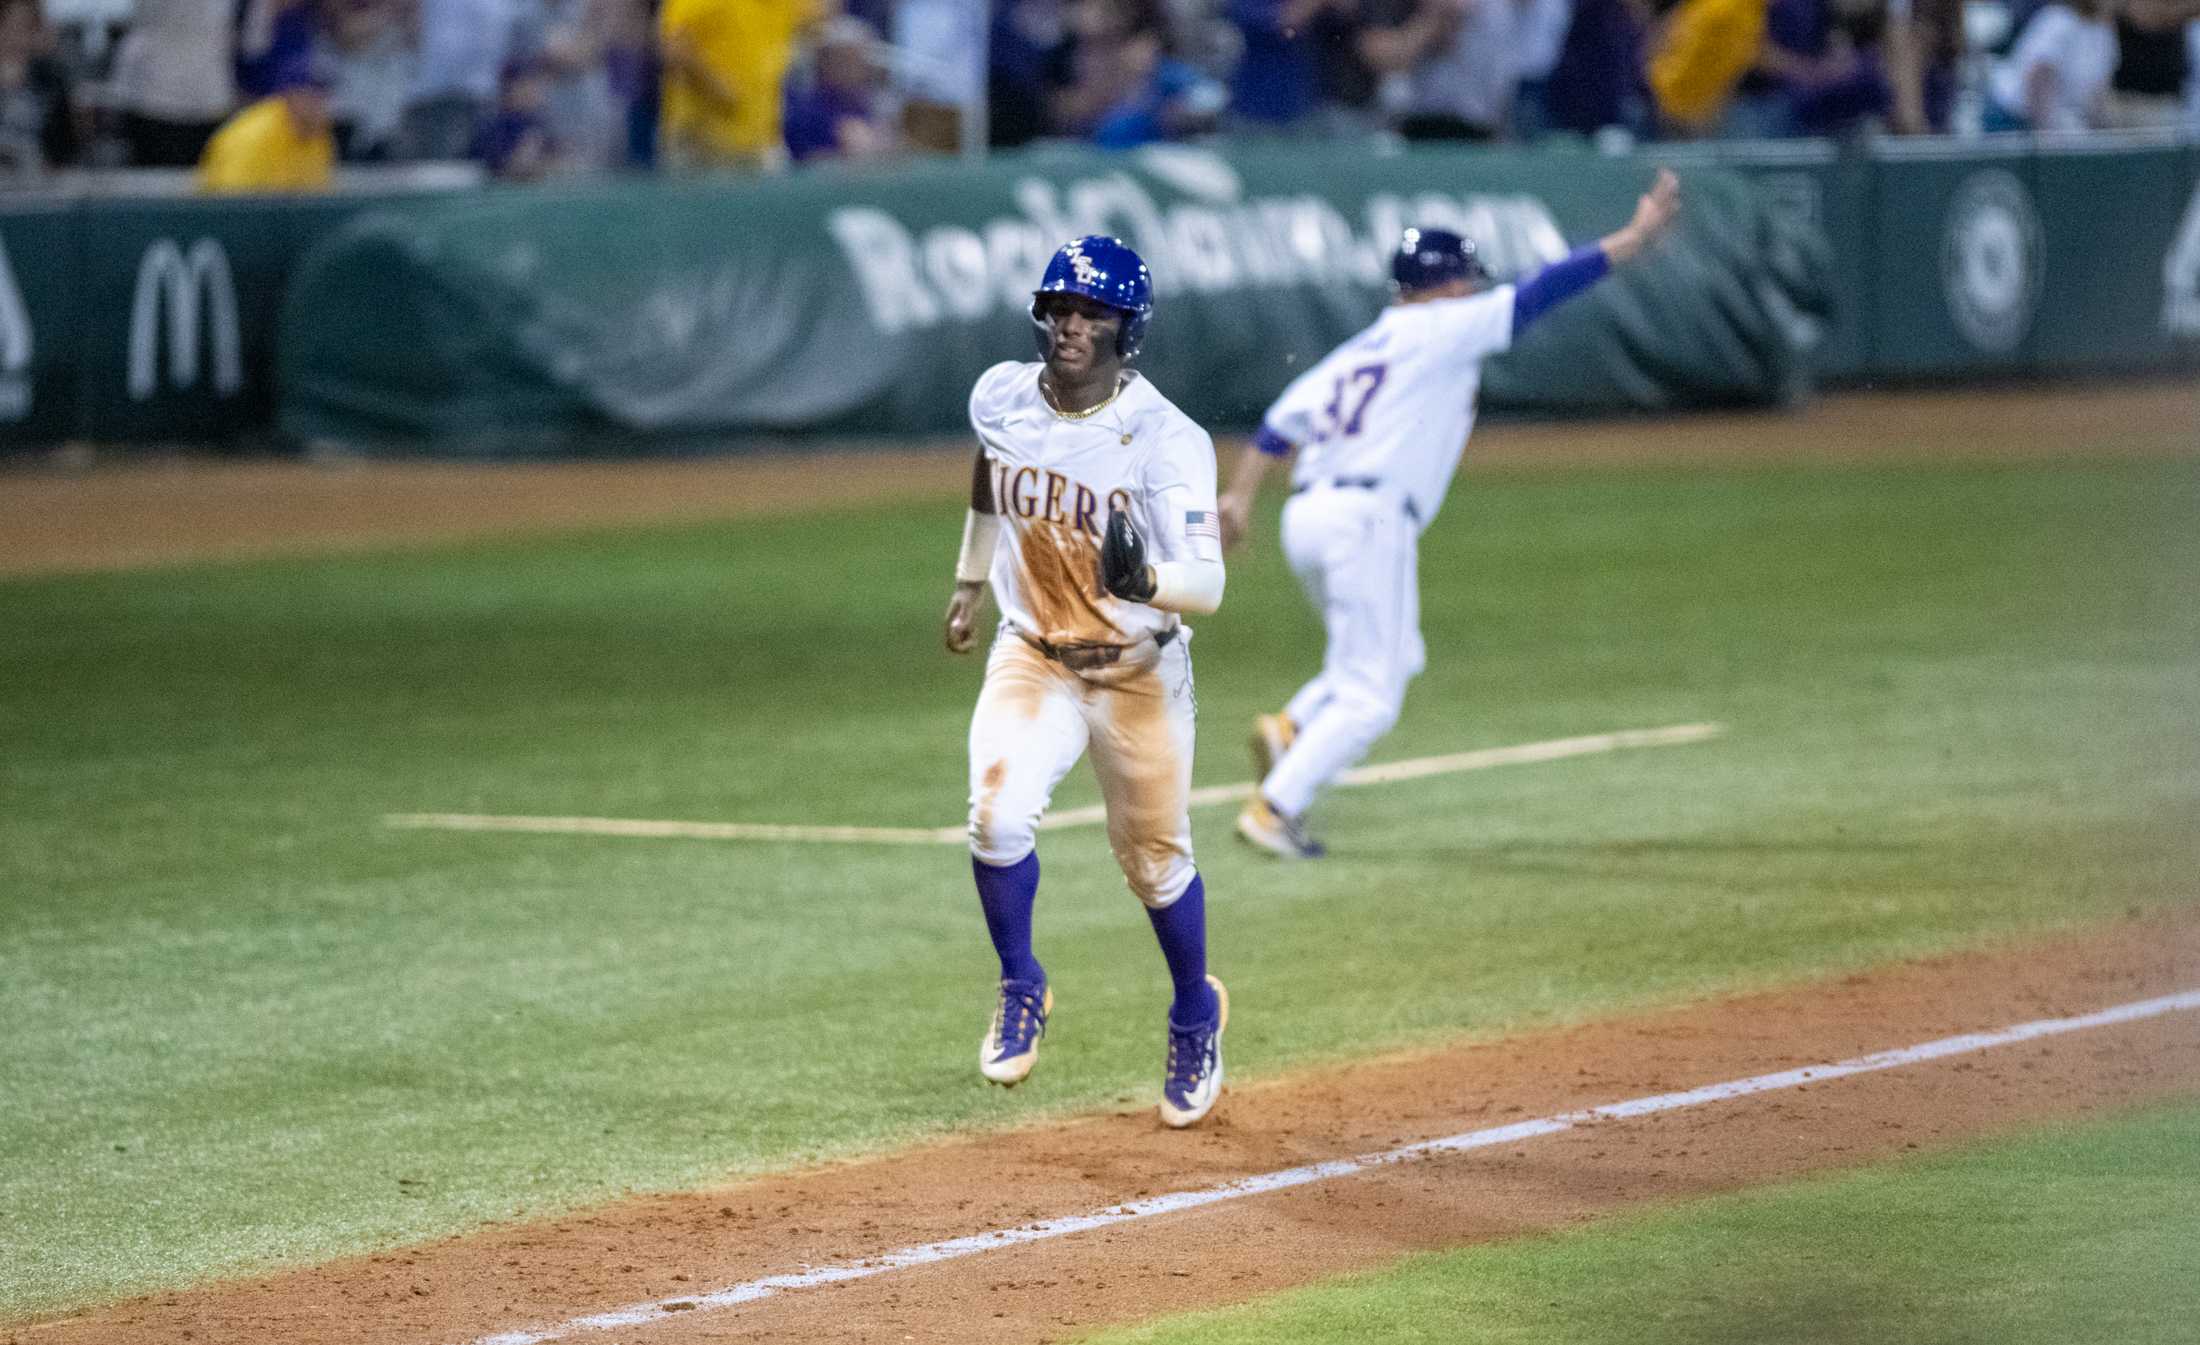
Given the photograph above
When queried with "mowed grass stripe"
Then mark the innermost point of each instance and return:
(1416, 768)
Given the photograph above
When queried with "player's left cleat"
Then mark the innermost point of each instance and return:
(1262, 826)
(1272, 737)
(1191, 1081)
(1011, 1045)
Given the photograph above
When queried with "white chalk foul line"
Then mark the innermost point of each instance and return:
(932, 1253)
(690, 831)
(1520, 754)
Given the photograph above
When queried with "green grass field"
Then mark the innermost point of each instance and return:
(2085, 1232)
(248, 1024)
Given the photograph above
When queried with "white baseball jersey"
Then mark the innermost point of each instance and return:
(1054, 480)
(1395, 404)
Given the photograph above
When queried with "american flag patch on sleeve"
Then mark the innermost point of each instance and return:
(1203, 529)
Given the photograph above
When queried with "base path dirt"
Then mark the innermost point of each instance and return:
(529, 1278)
(132, 512)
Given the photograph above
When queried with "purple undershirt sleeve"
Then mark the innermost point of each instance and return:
(1556, 283)
(1272, 443)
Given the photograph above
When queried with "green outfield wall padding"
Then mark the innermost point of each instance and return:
(189, 296)
(41, 281)
(2065, 261)
(2094, 309)
(1822, 189)
(869, 304)
(149, 321)
(1960, 264)
(651, 313)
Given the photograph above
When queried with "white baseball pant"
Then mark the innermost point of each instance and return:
(1354, 552)
(1035, 718)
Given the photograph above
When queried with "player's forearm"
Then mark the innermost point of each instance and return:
(1252, 469)
(1558, 282)
(1193, 586)
(1622, 245)
(1555, 284)
(981, 534)
(981, 525)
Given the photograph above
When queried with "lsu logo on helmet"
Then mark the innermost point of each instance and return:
(1106, 271)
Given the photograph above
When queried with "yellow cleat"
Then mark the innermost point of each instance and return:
(1272, 737)
(1261, 826)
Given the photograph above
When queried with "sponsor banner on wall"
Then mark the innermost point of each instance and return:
(41, 268)
(2181, 265)
(179, 313)
(871, 303)
(147, 321)
(868, 302)
(2105, 302)
(1960, 260)
(1816, 190)
(2012, 258)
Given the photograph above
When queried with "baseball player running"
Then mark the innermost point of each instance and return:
(1092, 514)
(1379, 426)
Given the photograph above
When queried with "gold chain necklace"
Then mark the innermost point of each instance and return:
(1089, 411)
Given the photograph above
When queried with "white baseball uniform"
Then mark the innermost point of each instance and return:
(1072, 666)
(1380, 424)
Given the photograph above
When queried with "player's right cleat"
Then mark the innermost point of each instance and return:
(1262, 826)
(1011, 1045)
(1272, 737)
(1191, 1081)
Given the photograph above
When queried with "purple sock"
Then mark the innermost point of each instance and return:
(1182, 928)
(1008, 894)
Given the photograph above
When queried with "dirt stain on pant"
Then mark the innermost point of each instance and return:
(1142, 740)
(1135, 717)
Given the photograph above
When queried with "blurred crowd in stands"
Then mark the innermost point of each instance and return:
(272, 94)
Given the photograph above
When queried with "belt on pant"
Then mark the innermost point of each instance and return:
(1079, 657)
(1356, 483)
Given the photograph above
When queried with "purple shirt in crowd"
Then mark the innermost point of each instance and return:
(1276, 81)
(811, 117)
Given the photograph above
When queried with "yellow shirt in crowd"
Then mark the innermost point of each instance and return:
(1705, 49)
(261, 149)
(748, 44)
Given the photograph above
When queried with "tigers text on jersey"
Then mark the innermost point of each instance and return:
(1054, 479)
(1395, 404)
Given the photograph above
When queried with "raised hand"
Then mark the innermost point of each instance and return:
(1654, 214)
(1659, 206)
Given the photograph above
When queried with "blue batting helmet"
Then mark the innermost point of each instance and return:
(1106, 271)
(1427, 258)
